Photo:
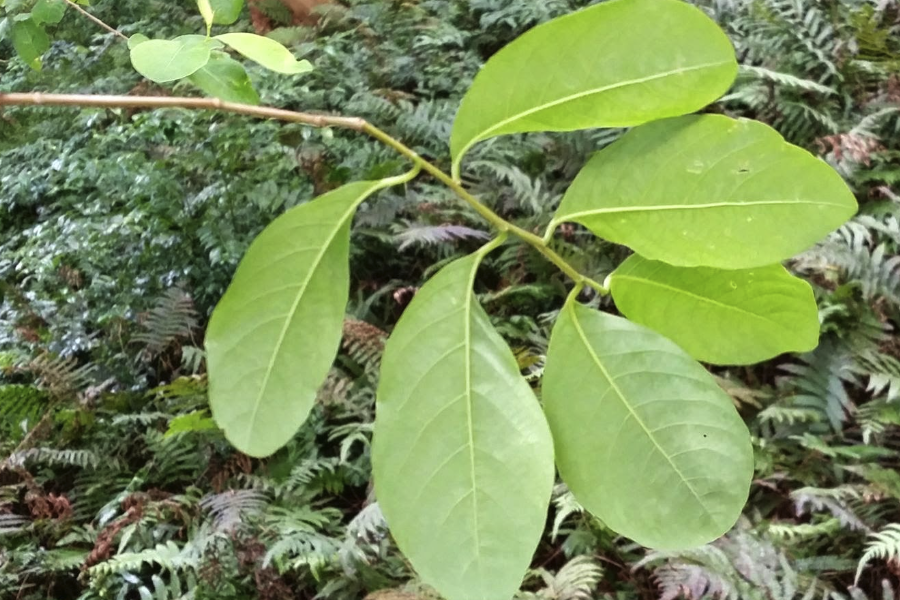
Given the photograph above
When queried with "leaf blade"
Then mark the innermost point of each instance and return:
(30, 41)
(725, 317)
(226, 12)
(463, 458)
(265, 51)
(644, 472)
(696, 66)
(264, 372)
(225, 78)
(690, 191)
(169, 60)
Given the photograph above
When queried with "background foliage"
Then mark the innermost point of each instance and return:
(120, 229)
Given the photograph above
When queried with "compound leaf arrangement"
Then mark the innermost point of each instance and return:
(463, 452)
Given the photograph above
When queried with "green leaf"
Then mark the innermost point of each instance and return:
(30, 42)
(206, 11)
(48, 11)
(225, 78)
(267, 52)
(170, 60)
(462, 456)
(620, 63)
(645, 438)
(274, 335)
(226, 12)
(708, 191)
(136, 40)
(734, 317)
(192, 421)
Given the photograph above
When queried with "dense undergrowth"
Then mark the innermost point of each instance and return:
(119, 230)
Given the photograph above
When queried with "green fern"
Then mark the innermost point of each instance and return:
(883, 545)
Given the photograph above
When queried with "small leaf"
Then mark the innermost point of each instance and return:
(734, 317)
(226, 12)
(192, 421)
(274, 335)
(30, 42)
(645, 438)
(48, 11)
(136, 40)
(206, 11)
(620, 63)
(708, 191)
(462, 456)
(225, 78)
(170, 60)
(266, 52)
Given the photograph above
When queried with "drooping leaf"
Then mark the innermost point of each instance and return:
(275, 333)
(226, 12)
(726, 317)
(619, 63)
(30, 41)
(225, 78)
(462, 456)
(170, 60)
(708, 191)
(48, 11)
(267, 52)
(645, 438)
(206, 11)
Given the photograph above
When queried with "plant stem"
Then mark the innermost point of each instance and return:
(96, 20)
(315, 120)
(493, 218)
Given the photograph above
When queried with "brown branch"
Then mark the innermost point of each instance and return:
(261, 112)
(112, 30)
(354, 123)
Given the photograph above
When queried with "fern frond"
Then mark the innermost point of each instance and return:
(12, 524)
(416, 234)
(575, 580)
(232, 508)
(172, 318)
(61, 458)
(168, 556)
(785, 79)
(883, 545)
(61, 376)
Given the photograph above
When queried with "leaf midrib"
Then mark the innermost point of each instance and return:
(697, 297)
(490, 130)
(675, 207)
(469, 409)
(625, 403)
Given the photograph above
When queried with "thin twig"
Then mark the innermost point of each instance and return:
(315, 120)
(96, 20)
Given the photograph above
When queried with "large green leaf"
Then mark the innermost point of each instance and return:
(275, 333)
(645, 438)
(708, 191)
(170, 60)
(462, 455)
(267, 52)
(30, 41)
(619, 63)
(732, 317)
(225, 78)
